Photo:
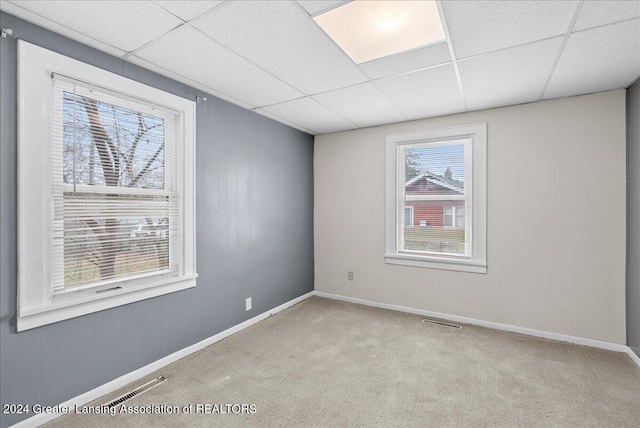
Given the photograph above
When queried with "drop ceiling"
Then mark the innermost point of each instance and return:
(273, 58)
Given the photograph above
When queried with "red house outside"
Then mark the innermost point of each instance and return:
(441, 213)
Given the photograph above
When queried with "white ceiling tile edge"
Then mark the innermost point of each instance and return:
(326, 9)
(454, 60)
(188, 23)
(153, 41)
(387, 98)
(41, 21)
(567, 34)
(177, 14)
(283, 121)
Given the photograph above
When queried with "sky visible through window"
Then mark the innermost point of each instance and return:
(137, 151)
(437, 159)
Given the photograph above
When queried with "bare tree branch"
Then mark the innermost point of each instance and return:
(110, 164)
(95, 227)
(143, 129)
(144, 170)
(132, 151)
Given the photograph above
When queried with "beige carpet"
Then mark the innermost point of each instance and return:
(329, 363)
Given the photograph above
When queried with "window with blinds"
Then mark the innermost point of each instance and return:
(436, 198)
(114, 187)
(435, 182)
(106, 189)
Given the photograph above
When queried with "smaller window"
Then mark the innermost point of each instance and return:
(408, 216)
(437, 179)
(454, 217)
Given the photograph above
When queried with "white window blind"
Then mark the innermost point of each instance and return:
(435, 181)
(114, 187)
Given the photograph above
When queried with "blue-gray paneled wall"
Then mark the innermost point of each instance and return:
(633, 217)
(254, 239)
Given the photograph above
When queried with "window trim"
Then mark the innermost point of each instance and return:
(36, 303)
(477, 262)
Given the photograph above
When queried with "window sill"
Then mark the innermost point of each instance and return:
(437, 263)
(65, 309)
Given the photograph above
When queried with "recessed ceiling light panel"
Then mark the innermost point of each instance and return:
(367, 30)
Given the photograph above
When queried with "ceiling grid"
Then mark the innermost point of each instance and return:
(452, 52)
(564, 43)
(274, 58)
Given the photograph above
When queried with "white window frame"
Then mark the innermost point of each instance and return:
(475, 259)
(37, 304)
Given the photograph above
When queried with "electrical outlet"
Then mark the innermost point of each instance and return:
(248, 303)
(350, 276)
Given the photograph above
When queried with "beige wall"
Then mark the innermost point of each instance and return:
(556, 220)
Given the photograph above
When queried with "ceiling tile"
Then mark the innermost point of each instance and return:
(188, 10)
(282, 39)
(43, 22)
(435, 54)
(180, 78)
(509, 76)
(315, 7)
(594, 13)
(599, 59)
(197, 57)
(362, 105)
(477, 27)
(310, 115)
(125, 25)
(424, 93)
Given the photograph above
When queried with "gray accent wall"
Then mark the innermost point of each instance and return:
(254, 239)
(633, 217)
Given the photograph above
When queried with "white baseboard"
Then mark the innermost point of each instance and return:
(488, 324)
(115, 384)
(633, 356)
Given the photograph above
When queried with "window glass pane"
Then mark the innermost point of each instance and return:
(109, 145)
(448, 220)
(434, 183)
(99, 247)
(459, 216)
(110, 235)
